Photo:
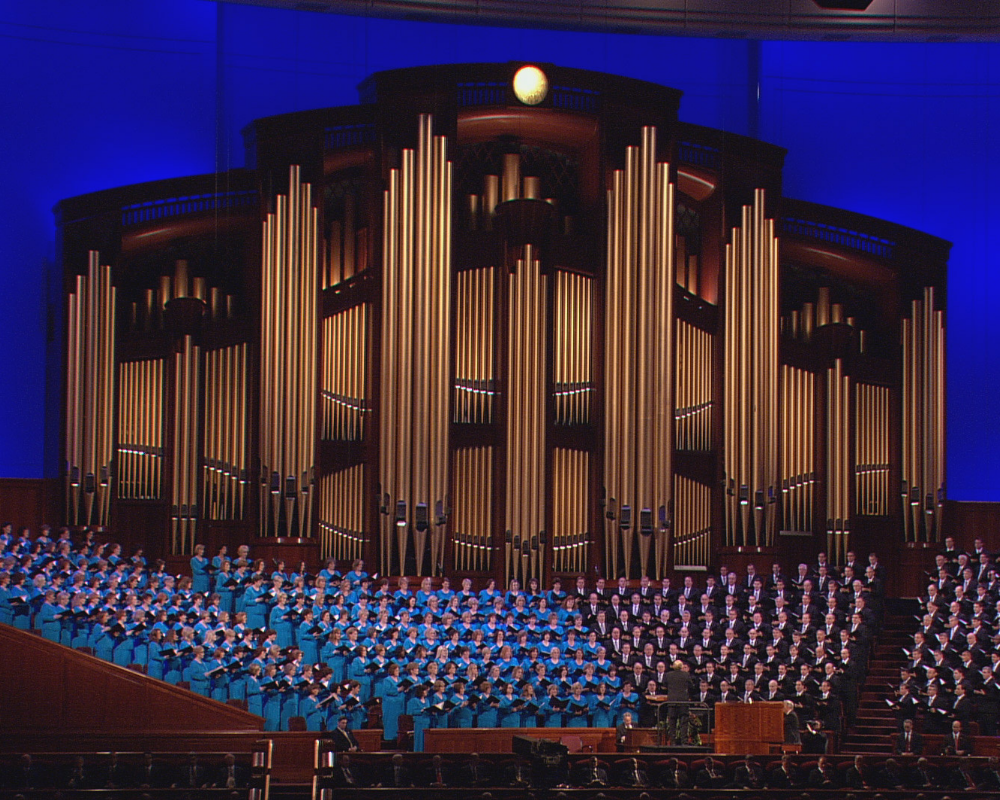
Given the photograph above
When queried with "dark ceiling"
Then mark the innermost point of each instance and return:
(882, 20)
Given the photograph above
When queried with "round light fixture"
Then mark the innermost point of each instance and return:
(530, 85)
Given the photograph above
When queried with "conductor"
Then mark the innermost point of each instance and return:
(678, 684)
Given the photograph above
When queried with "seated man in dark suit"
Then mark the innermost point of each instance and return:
(342, 775)
(785, 776)
(634, 777)
(438, 774)
(343, 740)
(673, 775)
(711, 776)
(397, 776)
(475, 773)
(151, 774)
(824, 776)
(923, 776)
(748, 775)
(25, 774)
(957, 743)
(590, 773)
(231, 775)
(909, 742)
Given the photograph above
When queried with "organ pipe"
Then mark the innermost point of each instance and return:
(750, 420)
(639, 353)
(526, 381)
(224, 473)
(472, 508)
(184, 485)
(570, 476)
(475, 371)
(571, 349)
(416, 314)
(871, 448)
(798, 469)
(341, 514)
(923, 419)
(288, 361)
(694, 388)
(692, 523)
(838, 393)
(344, 371)
(90, 381)
(140, 432)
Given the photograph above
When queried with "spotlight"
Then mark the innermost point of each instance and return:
(646, 522)
(423, 517)
(401, 513)
(626, 518)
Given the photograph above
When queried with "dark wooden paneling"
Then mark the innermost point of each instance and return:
(967, 520)
(29, 501)
(60, 690)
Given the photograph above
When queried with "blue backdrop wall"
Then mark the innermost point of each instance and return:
(113, 92)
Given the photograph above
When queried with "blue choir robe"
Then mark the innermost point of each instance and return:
(196, 677)
(200, 579)
(461, 715)
(393, 703)
(314, 714)
(510, 711)
(577, 712)
(418, 709)
(603, 711)
(553, 717)
(254, 696)
(487, 711)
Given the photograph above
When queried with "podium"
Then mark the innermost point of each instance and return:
(749, 728)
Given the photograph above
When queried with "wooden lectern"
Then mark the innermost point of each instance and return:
(749, 728)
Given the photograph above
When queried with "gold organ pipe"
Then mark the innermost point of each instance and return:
(511, 175)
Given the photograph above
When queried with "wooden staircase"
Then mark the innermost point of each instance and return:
(873, 732)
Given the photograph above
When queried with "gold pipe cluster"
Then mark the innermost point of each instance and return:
(225, 433)
(923, 419)
(798, 457)
(341, 514)
(750, 419)
(639, 354)
(140, 431)
(570, 479)
(526, 382)
(345, 358)
(475, 340)
(694, 388)
(838, 453)
(571, 348)
(184, 486)
(288, 361)
(416, 317)
(871, 449)
(90, 392)
(692, 523)
(472, 508)
(346, 245)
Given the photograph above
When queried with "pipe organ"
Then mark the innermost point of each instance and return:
(923, 418)
(225, 433)
(446, 332)
(416, 314)
(140, 436)
(526, 369)
(751, 378)
(90, 392)
(639, 353)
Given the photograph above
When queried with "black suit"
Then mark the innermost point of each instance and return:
(343, 740)
(915, 745)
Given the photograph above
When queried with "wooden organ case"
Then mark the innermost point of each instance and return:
(451, 332)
